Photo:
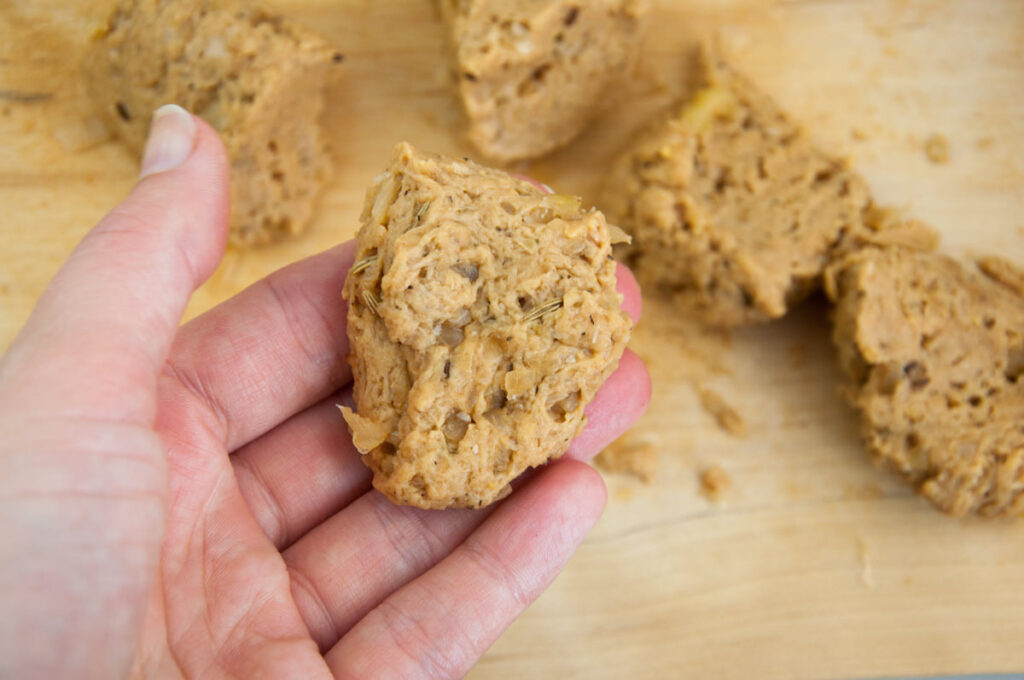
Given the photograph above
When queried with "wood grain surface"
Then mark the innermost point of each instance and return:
(811, 564)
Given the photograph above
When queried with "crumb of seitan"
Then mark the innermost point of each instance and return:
(867, 574)
(727, 418)
(890, 226)
(631, 458)
(1002, 271)
(82, 134)
(714, 482)
(936, 148)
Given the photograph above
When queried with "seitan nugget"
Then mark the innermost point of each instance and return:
(256, 78)
(533, 73)
(934, 350)
(733, 210)
(483, 317)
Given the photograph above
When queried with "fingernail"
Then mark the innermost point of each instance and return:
(172, 135)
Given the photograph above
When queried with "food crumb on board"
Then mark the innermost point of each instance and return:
(632, 458)
(868, 492)
(859, 134)
(82, 134)
(724, 414)
(714, 482)
(867, 576)
(984, 143)
(889, 226)
(1002, 271)
(936, 147)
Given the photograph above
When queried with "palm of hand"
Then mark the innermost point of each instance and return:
(243, 540)
(276, 559)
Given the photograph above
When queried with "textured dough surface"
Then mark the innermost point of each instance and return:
(257, 79)
(533, 73)
(483, 317)
(732, 209)
(934, 352)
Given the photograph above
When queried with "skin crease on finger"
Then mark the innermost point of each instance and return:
(178, 570)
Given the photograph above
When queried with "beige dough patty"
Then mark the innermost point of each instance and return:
(533, 73)
(255, 77)
(483, 317)
(935, 353)
(734, 212)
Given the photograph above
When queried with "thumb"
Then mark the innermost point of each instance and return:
(100, 333)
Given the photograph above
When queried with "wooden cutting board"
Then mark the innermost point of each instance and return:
(812, 564)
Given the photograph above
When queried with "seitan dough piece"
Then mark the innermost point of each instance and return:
(733, 210)
(934, 351)
(256, 78)
(483, 317)
(533, 73)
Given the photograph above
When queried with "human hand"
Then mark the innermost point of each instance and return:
(187, 502)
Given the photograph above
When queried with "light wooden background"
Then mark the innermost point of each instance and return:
(813, 565)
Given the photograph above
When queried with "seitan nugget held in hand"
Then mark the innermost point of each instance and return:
(483, 317)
